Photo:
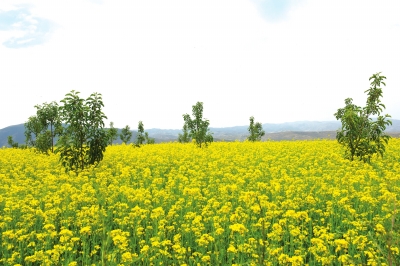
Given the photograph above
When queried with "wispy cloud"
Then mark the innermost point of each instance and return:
(273, 10)
(30, 30)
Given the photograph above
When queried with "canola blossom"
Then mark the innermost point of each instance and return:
(239, 203)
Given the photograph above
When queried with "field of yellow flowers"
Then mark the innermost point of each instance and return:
(239, 203)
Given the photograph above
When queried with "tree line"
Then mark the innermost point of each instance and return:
(78, 125)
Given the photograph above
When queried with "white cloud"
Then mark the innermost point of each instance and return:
(26, 30)
(153, 60)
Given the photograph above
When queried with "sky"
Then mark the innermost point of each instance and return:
(277, 60)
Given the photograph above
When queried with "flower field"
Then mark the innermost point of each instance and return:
(239, 203)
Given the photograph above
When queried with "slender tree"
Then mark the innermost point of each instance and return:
(33, 127)
(148, 139)
(48, 115)
(37, 136)
(185, 136)
(361, 135)
(140, 138)
(256, 131)
(11, 142)
(41, 129)
(198, 127)
(112, 134)
(126, 134)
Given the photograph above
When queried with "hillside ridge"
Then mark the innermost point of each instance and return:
(299, 130)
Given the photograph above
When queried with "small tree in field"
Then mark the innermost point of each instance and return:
(256, 131)
(198, 128)
(48, 115)
(11, 142)
(184, 137)
(41, 129)
(142, 136)
(126, 134)
(148, 139)
(112, 134)
(33, 128)
(362, 136)
(84, 139)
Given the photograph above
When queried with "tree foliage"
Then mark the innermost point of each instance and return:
(112, 134)
(84, 139)
(184, 137)
(33, 127)
(140, 137)
(11, 142)
(256, 131)
(148, 139)
(126, 134)
(197, 126)
(44, 142)
(361, 135)
(42, 128)
(48, 115)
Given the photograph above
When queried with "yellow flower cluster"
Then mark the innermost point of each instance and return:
(238, 203)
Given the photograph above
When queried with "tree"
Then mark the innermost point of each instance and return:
(198, 128)
(37, 135)
(126, 134)
(140, 138)
(48, 115)
(256, 131)
(11, 142)
(43, 142)
(361, 135)
(84, 139)
(33, 127)
(41, 129)
(184, 137)
(148, 139)
(112, 134)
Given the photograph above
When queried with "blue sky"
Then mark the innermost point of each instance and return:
(278, 61)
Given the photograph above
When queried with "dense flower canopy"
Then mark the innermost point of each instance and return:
(243, 203)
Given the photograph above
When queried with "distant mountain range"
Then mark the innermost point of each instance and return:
(300, 130)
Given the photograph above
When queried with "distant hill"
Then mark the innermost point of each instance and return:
(17, 132)
(300, 130)
(304, 126)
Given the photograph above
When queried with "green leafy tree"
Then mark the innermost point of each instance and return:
(11, 142)
(44, 142)
(41, 129)
(256, 131)
(33, 128)
(84, 139)
(48, 115)
(126, 134)
(140, 138)
(148, 139)
(198, 127)
(184, 137)
(361, 135)
(37, 136)
(112, 134)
